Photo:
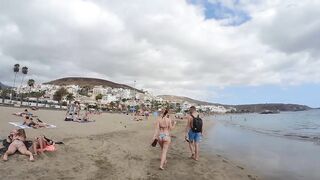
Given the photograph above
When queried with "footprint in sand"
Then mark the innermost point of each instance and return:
(251, 177)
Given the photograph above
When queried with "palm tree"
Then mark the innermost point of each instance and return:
(30, 84)
(58, 95)
(24, 72)
(98, 97)
(112, 105)
(38, 95)
(70, 97)
(4, 93)
(16, 69)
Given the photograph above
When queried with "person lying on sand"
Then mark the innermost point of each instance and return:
(29, 122)
(34, 108)
(18, 144)
(24, 113)
(41, 144)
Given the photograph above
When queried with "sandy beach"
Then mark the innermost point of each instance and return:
(112, 147)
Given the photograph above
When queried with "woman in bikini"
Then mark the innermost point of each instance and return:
(40, 144)
(18, 140)
(29, 122)
(162, 133)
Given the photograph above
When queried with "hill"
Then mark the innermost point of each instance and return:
(91, 82)
(271, 107)
(2, 86)
(182, 99)
(241, 108)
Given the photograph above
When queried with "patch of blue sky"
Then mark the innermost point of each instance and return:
(216, 10)
(307, 94)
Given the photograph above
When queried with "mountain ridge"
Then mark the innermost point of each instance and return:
(181, 99)
(3, 86)
(243, 107)
(87, 81)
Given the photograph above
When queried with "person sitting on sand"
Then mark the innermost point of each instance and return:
(85, 118)
(77, 108)
(162, 133)
(18, 139)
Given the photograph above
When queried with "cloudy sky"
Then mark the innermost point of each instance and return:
(226, 51)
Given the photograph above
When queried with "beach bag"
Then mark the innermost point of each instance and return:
(196, 124)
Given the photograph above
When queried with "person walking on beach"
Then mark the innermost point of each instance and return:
(162, 134)
(194, 132)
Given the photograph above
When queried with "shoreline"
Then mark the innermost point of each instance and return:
(113, 147)
(269, 155)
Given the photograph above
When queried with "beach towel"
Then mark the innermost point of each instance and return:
(82, 121)
(49, 148)
(85, 121)
(3, 150)
(20, 125)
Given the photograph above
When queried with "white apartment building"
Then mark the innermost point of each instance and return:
(108, 99)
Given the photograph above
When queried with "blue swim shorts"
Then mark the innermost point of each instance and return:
(194, 136)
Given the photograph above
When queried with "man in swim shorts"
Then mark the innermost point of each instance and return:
(193, 132)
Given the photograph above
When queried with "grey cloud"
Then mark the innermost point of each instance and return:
(167, 46)
(294, 29)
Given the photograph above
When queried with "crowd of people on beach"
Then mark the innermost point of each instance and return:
(141, 115)
(74, 113)
(17, 139)
(29, 121)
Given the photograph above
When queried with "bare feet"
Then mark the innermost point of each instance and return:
(31, 158)
(192, 156)
(195, 158)
(161, 168)
(5, 157)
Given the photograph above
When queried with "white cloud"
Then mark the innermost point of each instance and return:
(167, 46)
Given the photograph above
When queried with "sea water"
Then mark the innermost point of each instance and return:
(276, 146)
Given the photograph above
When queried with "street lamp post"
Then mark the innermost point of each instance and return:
(16, 69)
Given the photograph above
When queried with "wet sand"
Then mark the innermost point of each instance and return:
(113, 147)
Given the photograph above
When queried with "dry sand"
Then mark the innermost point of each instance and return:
(113, 147)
